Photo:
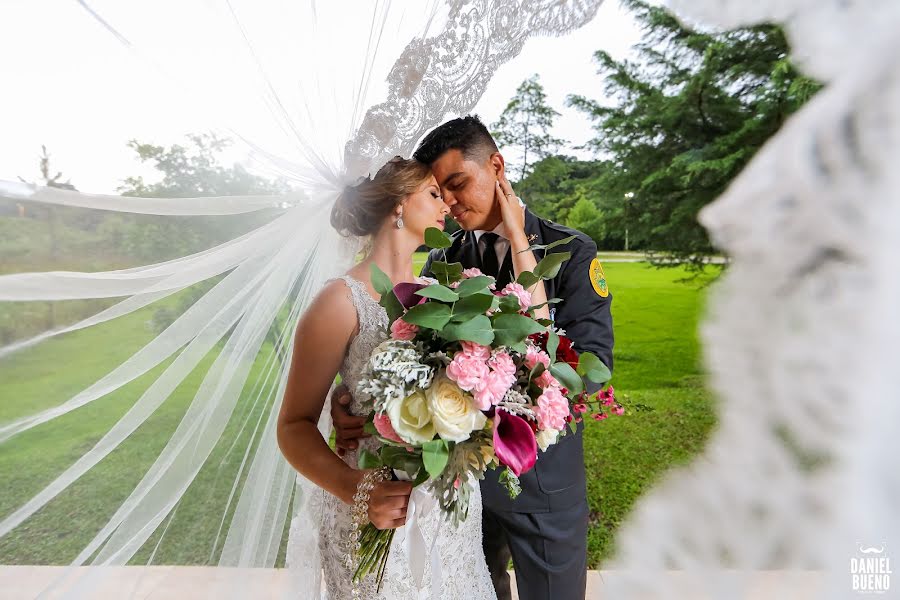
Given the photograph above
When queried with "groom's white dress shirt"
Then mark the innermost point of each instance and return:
(501, 246)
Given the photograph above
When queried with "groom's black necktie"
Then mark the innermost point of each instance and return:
(489, 263)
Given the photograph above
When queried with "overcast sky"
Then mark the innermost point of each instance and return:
(66, 81)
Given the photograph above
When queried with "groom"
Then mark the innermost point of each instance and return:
(544, 530)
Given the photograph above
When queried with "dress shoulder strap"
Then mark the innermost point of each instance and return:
(367, 309)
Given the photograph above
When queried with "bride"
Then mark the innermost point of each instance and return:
(207, 387)
(336, 335)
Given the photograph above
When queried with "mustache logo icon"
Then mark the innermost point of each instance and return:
(871, 550)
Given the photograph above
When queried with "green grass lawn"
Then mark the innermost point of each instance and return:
(656, 366)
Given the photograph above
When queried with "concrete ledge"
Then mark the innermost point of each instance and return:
(191, 583)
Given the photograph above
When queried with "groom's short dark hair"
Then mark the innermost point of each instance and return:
(467, 134)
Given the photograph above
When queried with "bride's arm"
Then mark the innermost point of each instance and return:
(513, 214)
(321, 339)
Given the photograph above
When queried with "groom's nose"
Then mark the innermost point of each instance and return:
(449, 200)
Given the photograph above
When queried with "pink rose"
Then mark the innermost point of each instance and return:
(502, 363)
(473, 272)
(385, 429)
(476, 350)
(401, 330)
(552, 409)
(491, 389)
(534, 355)
(467, 371)
(516, 289)
(546, 380)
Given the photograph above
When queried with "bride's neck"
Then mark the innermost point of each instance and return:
(393, 254)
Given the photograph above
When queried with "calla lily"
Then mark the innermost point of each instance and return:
(514, 443)
(406, 294)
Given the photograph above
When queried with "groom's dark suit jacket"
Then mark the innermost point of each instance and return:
(557, 481)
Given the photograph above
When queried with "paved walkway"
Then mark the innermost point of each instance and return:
(197, 583)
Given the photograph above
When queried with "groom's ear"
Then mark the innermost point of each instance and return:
(498, 164)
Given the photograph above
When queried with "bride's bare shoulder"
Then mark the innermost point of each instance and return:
(332, 309)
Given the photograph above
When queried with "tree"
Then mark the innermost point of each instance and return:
(525, 124)
(586, 217)
(53, 219)
(557, 184)
(689, 112)
(193, 170)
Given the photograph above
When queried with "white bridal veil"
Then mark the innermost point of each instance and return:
(321, 93)
(800, 342)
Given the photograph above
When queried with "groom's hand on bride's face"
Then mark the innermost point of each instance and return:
(348, 428)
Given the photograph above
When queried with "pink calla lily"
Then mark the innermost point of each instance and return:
(514, 443)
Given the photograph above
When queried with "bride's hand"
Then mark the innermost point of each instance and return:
(512, 212)
(388, 501)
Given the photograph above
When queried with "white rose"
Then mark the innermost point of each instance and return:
(453, 411)
(411, 418)
(546, 438)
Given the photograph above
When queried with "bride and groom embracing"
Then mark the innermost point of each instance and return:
(457, 169)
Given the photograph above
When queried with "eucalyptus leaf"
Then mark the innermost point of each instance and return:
(568, 377)
(593, 368)
(552, 344)
(431, 315)
(552, 244)
(437, 239)
(446, 273)
(543, 304)
(439, 292)
(380, 281)
(474, 285)
(367, 460)
(511, 330)
(549, 266)
(509, 304)
(477, 329)
(392, 306)
(435, 455)
(527, 279)
(470, 306)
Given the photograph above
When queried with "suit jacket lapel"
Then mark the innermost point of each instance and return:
(468, 255)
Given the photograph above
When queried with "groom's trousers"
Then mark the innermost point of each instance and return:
(548, 550)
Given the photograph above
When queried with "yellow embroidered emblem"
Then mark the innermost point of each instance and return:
(598, 279)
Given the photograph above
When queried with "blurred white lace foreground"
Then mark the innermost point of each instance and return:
(801, 335)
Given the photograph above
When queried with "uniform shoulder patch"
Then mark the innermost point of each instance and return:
(598, 279)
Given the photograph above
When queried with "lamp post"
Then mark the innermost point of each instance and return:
(628, 197)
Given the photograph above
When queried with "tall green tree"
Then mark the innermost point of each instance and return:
(189, 170)
(687, 112)
(49, 179)
(525, 124)
(556, 185)
(193, 170)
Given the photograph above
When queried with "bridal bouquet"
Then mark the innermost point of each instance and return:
(469, 380)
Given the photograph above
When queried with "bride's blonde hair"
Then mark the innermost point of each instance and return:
(361, 209)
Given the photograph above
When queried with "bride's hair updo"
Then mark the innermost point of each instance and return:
(361, 209)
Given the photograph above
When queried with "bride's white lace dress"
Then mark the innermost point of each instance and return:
(464, 572)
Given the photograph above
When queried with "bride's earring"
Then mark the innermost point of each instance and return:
(400, 220)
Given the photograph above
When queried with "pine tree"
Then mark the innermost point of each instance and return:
(690, 110)
(525, 124)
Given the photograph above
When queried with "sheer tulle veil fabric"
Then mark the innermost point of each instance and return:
(320, 93)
